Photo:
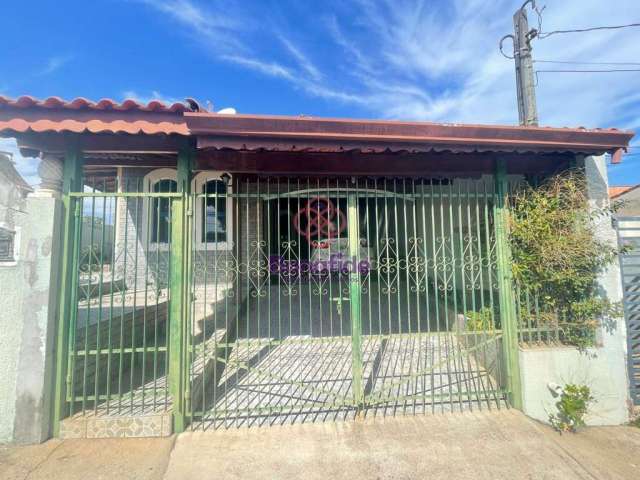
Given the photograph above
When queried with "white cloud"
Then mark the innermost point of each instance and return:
(223, 35)
(416, 59)
(451, 53)
(55, 63)
(153, 95)
(301, 59)
(272, 69)
(216, 27)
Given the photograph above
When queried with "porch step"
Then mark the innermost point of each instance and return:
(139, 413)
(117, 426)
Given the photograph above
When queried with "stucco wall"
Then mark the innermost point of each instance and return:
(28, 296)
(603, 368)
(10, 326)
(12, 216)
(39, 311)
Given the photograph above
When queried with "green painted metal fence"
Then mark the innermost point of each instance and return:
(342, 296)
(119, 293)
(247, 300)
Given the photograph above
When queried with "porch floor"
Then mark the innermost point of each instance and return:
(288, 359)
(301, 380)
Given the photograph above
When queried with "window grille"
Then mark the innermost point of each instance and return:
(7, 240)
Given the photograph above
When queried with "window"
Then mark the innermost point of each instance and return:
(161, 211)
(7, 243)
(157, 210)
(213, 211)
(214, 218)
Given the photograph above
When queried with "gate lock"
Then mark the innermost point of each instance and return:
(339, 301)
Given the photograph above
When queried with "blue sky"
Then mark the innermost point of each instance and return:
(425, 60)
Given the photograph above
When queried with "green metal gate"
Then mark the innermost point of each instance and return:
(334, 297)
(114, 331)
(250, 300)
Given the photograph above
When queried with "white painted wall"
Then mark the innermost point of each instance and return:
(28, 307)
(13, 217)
(604, 368)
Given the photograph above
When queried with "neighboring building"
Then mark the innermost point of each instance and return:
(251, 270)
(627, 214)
(13, 191)
(629, 198)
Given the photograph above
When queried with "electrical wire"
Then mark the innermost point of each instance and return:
(621, 70)
(612, 70)
(562, 62)
(542, 35)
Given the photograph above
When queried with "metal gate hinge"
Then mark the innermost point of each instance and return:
(190, 213)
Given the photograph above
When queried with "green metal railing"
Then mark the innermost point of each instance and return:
(272, 338)
(538, 323)
(117, 348)
(250, 300)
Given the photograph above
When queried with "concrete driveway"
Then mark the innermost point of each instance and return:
(472, 445)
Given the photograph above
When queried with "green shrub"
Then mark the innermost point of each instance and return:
(572, 407)
(557, 253)
(481, 320)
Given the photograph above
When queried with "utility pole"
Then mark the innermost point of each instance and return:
(522, 36)
(527, 110)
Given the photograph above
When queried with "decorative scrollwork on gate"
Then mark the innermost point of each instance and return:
(257, 268)
(289, 275)
(388, 265)
(416, 265)
(444, 264)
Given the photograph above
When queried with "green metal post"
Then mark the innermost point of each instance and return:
(72, 182)
(506, 288)
(178, 287)
(354, 301)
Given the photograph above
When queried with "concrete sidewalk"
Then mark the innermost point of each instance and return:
(493, 445)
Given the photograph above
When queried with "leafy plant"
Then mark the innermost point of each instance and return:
(557, 253)
(480, 320)
(572, 407)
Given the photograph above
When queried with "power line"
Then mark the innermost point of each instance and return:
(621, 70)
(527, 78)
(612, 70)
(564, 62)
(541, 35)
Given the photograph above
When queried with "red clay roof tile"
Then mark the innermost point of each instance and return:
(249, 132)
(79, 103)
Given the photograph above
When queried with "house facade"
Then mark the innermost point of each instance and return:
(628, 197)
(217, 270)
